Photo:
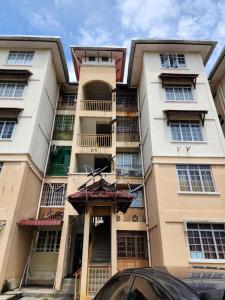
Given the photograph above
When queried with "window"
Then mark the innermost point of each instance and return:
(64, 123)
(11, 89)
(206, 241)
(54, 194)
(48, 241)
(105, 59)
(195, 178)
(69, 100)
(20, 57)
(186, 131)
(144, 289)
(6, 129)
(1, 166)
(91, 58)
(126, 125)
(179, 93)
(137, 202)
(131, 244)
(128, 164)
(172, 60)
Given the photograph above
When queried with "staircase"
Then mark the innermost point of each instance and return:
(101, 249)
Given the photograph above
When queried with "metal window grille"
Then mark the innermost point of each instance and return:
(206, 241)
(54, 194)
(11, 89)
(128, 164)
(20, 57)
(195, 178)
(179, 93)
(186, 131)
(64, 123)
(69, 100)
(48, 241)
(172, 60)
(127, 125)
(1, 166)
(131, 244)
(6, 129)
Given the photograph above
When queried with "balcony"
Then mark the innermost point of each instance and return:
(95, 140)
(96, 105)
(127, 129)
(63, 128)
(129, 170)
(59, 160)
(127, 137)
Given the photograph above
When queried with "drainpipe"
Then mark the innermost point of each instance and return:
(143, 179)
(49, 147)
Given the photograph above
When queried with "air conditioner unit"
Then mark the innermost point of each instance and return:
(134, 218)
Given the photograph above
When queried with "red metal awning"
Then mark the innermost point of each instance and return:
(35, 223)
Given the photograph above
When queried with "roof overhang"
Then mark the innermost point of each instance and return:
(119, 54)
(10, 112)
(217, 71)
(139, 47)
(53, 43)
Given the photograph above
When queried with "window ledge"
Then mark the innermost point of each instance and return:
(179, 68)
(5, 140)
(188, 142)
(213, 261)
(11, 98)
(15, 65)
(199, 193)
(180, 101)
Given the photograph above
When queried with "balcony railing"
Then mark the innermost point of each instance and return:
(131, 263)
(66, 105)
(132, 215)
(54, 195)
(63, 135)
(57, 170)
(95, 140)
(129, 170)
(127, 107)
(127, 137)
(96, 105)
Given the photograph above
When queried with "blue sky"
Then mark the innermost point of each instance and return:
(115, 22)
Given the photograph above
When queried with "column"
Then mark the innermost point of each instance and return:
(113, 243)
(84, 268)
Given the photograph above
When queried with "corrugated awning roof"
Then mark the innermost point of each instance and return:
(170, 78)
(36, 223)
(171, 112)
(20, 75)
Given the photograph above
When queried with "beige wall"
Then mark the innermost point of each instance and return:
(19, 194)
(169, 210)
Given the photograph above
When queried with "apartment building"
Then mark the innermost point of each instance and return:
(108, 175)
(183, 150)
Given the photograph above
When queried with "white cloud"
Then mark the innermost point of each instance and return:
(94, 37)
(44, 21)
(62, 3)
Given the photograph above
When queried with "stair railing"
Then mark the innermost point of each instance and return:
(77, 282)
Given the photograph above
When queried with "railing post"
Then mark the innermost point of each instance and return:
(84, 272)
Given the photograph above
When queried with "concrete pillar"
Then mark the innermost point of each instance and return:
(84, 268)
(113, 243)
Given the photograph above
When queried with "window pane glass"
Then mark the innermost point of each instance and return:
(7, 130)
(10, 89)
(20, 58)
(19, 90)
(176, 133)
(12, 57)
(2, 89)
(186, 131)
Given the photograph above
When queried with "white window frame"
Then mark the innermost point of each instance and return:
(174, 93)
(5, 121)
(190, 181)
(176, 57)
(203, 259)
(189, 123)
(17, 54)
(6, 85)
(46, 246)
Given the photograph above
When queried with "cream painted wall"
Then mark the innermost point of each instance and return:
(159, 136)
(34, 123)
